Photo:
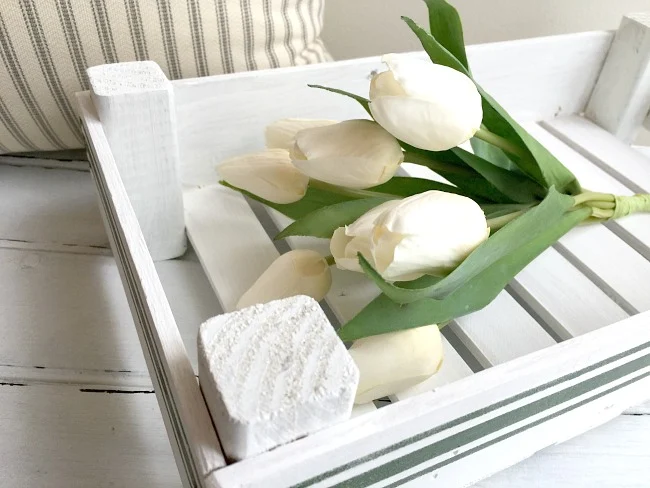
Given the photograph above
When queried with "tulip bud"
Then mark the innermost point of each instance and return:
(428, 233)
(390, 363)
(269, 175)
(431, 233)
(281, 134)
(297, 272)
(354, 154)
(426, 105)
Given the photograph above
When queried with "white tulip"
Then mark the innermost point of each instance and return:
(431, 233)
(428, 233)
(354, 154)
(281, 134)
(297, 272)
(267, 174)
(390, 363)
(426, 105)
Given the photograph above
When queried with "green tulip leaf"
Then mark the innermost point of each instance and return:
(516, 186)
(383, 315)
(324, 221)
(364, 102)
(446, 26)
(406, 186)
(456, 171)
(314, 199)
(538, 162)
(499, 246)
(492, 154)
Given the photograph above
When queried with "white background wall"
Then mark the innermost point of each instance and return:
(355, 28)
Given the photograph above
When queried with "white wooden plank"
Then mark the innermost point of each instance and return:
(606, 258)
(536, 79)
(49, 206)
(620, 101)
(65, 311)
(194, 441)
(565, 298)
(643, 150)
(615, 455)
(135, 103)
(230, 242)
(554, 417)
(629, 166)
(500, 332)
(59, 436)
(635, 229)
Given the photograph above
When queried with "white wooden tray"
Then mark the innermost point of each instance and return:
(565, 348)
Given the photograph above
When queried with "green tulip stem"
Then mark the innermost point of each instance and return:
(496, 223)
(500, 142)
(349, 192)
(590, 196)
(606, 206)
(330, 260)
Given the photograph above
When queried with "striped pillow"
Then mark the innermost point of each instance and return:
(46, 45)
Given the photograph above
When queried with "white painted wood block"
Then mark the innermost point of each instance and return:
(621, 98)
(273, 373)
(135, 103)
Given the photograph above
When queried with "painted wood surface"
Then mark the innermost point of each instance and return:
(195, 444)
(620, 101)
(536, 78)
(135, 102)
(49, 206)
(570, 423)
(61, 436)
(604, 363)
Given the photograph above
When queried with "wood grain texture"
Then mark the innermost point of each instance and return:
(49, 206)
(535, 79)
(620, 101)
(135, 102)
(615, 455)
(196, 447)
(62, 437)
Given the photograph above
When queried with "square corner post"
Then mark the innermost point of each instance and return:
(620, 102)
(135, 103)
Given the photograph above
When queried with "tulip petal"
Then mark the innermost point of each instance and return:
(356, 154)
(390, 363)
(297, 272)
(384, 84)
(269, 175)
(364, 224)
(281, 134)
(433, 126)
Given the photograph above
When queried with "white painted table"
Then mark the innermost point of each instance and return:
(76, 405)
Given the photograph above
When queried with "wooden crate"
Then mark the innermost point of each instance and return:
(564, 348)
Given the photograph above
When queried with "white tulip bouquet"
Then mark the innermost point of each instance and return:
(436, 250)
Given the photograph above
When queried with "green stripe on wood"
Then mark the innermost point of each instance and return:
(471, 416)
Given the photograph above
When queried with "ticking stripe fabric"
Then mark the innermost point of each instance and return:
(46, 46)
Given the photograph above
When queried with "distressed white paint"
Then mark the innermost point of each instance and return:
(59, 436)
(195, 443)
(49, 206)
(273, 373)
(333, 447)
(201, 150)
(135, 102)
(620, 101)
